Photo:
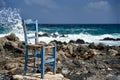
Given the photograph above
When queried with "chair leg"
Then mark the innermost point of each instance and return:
(36, 60)
(26, 61)
(54, 63)
(42, 62)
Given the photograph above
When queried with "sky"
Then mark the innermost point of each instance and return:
(67, 11)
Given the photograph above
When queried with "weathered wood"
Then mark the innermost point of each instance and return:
(45, 58)
(33, 46)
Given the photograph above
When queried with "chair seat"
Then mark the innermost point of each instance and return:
(39, 46)
(35, 45)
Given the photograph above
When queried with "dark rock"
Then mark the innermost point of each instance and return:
(112, 77)
(2, 63)
(18, 52)
(65, 71)
(63, 36)
(111, 39)
(56, 42)
(1, 49)
(41, 42)
(101, 65)
(81, 49)
(5, 76)
(61, 57)
(87, 55)
(80, 41)
(112, 52)
(10, 66)
(108, 38)
(71, 41)
(10, 45)
(43, 35)
(118, 39)
(21, 45)
(16, 70)
(3, 40)
(101, 46)
(77, 61)
(70, 48)
(92, 46)
(12, 37)
(55, 35)
(65, 43)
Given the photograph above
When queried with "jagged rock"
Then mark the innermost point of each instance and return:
(1, 49)
(80, 41)
(57, 42)
(13, 48)
(41, 42)
(71, 41)
(43, 35)
(2, 63)
(87, 55)
(12, 37)
(81, 49)
(63, 35)
(55, 35)
(21, 45)
(18, 52)
(3, 40)
(65, 71)
(10, 45)
(10, 66)
(108, 38)
(16, 70)
(37, 76)
(101, 65)
(59, 66)
(111, 39)
(118, 39)
(78, 62)
(92, 46)
(112, 52)
(61, 56)
(5, 76)
(101, 46)
(112, 77)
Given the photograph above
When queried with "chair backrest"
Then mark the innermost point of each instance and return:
(28, 37)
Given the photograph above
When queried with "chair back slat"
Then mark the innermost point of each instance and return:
(26, 32)
(31, 37)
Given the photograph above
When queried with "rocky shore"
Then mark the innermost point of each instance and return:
(75, 60)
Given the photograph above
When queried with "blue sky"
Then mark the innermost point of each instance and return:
(67, 11)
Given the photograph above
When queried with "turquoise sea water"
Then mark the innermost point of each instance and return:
(93, 29)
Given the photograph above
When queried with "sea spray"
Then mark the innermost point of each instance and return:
(10, 21)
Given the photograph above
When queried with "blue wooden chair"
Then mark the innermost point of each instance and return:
(38, 54)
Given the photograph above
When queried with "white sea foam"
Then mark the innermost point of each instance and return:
(86, 37)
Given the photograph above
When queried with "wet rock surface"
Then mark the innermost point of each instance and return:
(43, 35)
(4, 76)
(110, 39)
(75, 60)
